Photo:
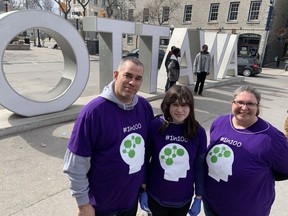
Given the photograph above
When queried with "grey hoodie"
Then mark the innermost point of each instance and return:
(108, 93)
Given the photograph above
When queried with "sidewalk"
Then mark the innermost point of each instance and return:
(272, 69)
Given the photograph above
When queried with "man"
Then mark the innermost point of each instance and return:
(105, 155)
(201, 68)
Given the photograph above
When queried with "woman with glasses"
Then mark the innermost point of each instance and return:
(244, 153)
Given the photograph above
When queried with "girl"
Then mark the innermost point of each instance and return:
(176, 151)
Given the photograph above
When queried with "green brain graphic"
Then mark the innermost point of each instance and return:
(170, 153)
(130, 145)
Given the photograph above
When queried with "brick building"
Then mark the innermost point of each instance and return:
(261, 25)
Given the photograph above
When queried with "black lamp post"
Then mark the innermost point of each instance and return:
(38, 33)
(76, 17)
(6, 5)
(77, 23)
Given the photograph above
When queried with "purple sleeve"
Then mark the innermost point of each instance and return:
(278, 151)
(200, 162)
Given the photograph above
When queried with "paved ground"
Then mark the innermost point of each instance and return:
(31, 158)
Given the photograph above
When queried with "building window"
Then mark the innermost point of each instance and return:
(254, 10)
(95, 2)
(130, 15)
(165, 14)
(233, 11)
(187, 13)
(213, 16)
(103, 4)
(129, 39)
(145, 15)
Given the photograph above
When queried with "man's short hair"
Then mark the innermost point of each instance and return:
(132, 59)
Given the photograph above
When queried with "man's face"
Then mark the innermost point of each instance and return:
(205, 48)
(128, 81)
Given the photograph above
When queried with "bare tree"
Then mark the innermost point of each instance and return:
(122, 10)
(158, 11)
(117, 9)
(47, 5)
(16, 5)
(110, 6)
(65, 8)
(83, 5)
(35, 4)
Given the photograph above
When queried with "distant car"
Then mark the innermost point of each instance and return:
(248, 66)
(135, 53)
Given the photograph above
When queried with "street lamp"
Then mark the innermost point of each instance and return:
(76, 17)
(76, 14)
(6, 5)
(38, 33)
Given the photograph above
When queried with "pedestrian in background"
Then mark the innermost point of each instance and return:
(105, 156)
(177, 145)
(257, 57)
(173, 71)
(243, 154)
(167, 60)
(201, 68)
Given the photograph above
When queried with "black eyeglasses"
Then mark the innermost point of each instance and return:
(250, 105)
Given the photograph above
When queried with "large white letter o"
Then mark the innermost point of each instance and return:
(76, 62)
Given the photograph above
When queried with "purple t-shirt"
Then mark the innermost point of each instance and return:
(115, 140)
(174, 163)
(240, 162)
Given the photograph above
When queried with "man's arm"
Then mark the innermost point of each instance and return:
(76, 168)
(195, 63)
(208, 64)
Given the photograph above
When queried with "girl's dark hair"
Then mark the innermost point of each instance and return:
(183, 95)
